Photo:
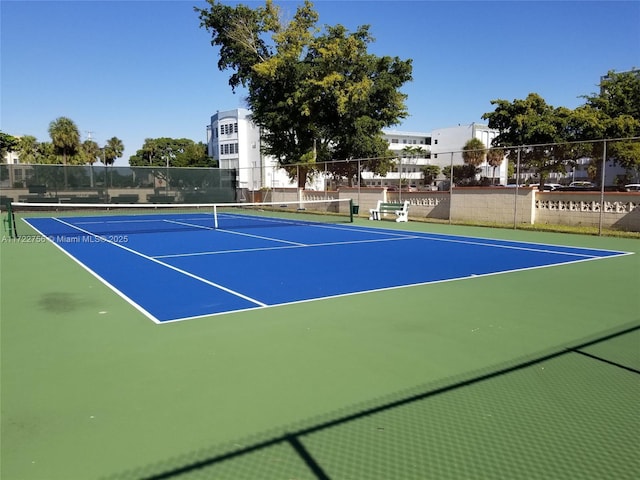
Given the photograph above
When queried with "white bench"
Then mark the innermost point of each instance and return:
(401, 210)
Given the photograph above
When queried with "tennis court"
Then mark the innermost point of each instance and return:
(251, 261)
(315, 349)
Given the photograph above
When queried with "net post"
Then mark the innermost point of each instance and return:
(351, 210)
(13, 233)
(215, 217)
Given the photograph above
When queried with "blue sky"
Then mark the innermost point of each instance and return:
(144, 69)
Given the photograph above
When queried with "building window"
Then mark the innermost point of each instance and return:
(229, 149)
(394, 140)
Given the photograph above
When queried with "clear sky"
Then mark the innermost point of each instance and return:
(145, 69)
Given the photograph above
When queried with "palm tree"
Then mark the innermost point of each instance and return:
(28, 149)
(473, 152)
(112, 150)
(429, 173)
(413, 152)
(410, 152)
(495, 156)
(65, 138)
(91, 153)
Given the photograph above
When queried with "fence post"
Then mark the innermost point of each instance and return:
(451, 189)
(515, 203)
(604, 167)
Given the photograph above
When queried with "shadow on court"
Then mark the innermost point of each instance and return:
(570, 412)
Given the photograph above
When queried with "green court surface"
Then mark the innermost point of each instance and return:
(527, 375)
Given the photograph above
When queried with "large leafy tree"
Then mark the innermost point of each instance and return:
(316, 96)
(8, 143)
(29, 150)
(547, 133)
(615, 113)
(619, 95)
(176, 152)
(160, 153)
(430, 173)
(556, 137)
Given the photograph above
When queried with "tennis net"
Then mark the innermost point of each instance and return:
(57, 219)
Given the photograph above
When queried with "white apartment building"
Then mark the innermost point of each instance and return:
(234, 140)
(447, 144)
(413, 150)
(442, 147)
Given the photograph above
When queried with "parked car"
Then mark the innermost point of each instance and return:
(632, 187)
(581, 185)
(547, 186)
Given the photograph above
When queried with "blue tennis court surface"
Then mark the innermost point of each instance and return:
(177, 267)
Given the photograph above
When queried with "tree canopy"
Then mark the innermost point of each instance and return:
(557, 137)
(617, 107)
(175, 152)
(65, 146)
(8, 143)
(316, 94)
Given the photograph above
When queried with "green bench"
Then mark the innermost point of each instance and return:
(126, 198)
(400, 210)
(151, 198)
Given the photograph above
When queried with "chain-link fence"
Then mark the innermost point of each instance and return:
(611, 164)
(590, 184)
(583, 184)
(109, 184)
